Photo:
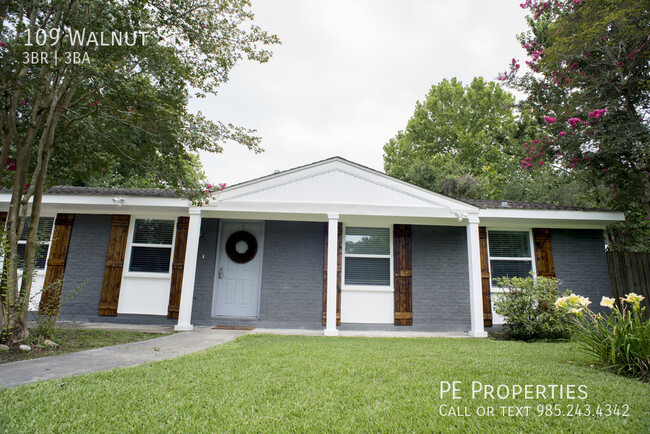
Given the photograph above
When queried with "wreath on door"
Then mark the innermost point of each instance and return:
(251, 247)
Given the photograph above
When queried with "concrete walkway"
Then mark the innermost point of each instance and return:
(101, 359)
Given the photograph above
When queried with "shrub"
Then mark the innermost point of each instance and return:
(49, 309)
(619, 341)
(528, 306)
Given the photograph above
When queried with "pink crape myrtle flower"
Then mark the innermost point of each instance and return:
(549, 120)
(597, 114)
(562, 133)
(573, 122)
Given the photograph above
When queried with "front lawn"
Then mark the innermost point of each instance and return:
(292, 383)
(71, 340)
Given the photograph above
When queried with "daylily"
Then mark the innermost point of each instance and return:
(633, 298)
(607, 302)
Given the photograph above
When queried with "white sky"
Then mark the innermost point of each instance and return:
(348, 74)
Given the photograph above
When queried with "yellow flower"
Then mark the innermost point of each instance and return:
(561, 302)
(607, 302)
(573, 299)
(575, 310)
(584, 301)
(633, 298)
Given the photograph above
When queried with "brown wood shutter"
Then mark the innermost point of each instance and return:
(543, 252)
(177, 267)
(485, 277)
(403, 275)
(51, 295)
(3, 219)
(114, 265)
(339, 262)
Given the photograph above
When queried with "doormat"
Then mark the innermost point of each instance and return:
(232, 328)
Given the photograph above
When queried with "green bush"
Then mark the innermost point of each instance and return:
(528, 306)
(619, 341)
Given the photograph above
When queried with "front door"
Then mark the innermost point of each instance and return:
(238, 273)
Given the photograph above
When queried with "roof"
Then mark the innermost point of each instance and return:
(500, 204)
(158, 192)
(102, 191)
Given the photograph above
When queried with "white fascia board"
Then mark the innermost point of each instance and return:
(93, 204)
(271, 207)
(271, 181)
(351, 220)
(549, 218)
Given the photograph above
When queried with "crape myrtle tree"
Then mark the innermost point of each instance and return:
(96, 93)
(464, 141)
(588, 87)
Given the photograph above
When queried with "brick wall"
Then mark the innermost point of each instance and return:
(440, 279)
(581, 263)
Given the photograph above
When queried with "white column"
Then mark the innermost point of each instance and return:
(475, 291)
(332, 262)
(189, 269)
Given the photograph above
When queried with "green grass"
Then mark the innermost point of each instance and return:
(290, 383)
(71, 340)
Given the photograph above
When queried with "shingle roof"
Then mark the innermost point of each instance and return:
(501, 204)
(100, 191)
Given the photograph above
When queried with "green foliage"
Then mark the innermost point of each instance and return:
(620, 341)
(458, 132)
(589, 91)
(464, 142)
(119, 114)
(529, 309)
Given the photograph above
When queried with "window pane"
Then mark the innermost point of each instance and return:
(368, 241)
(41, 256)
(150, 231)
(510, 268)
(367, 271)
(45, 225)
(150, 259)
(509, 244)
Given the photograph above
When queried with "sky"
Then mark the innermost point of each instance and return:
(348, 74)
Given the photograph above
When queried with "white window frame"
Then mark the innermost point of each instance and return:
(391, 274)
(532, 258)
(42, 243)
(130, 244)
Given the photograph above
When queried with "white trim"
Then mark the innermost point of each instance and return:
(189, 271)
(531, 246)
(130, 244)
(553, 219)
(365, 287)
(350, 168)
(475, 288)
(332, 254)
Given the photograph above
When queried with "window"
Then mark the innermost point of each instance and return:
(510, 254)
(44, 236)
(367, 256)
(151, 247)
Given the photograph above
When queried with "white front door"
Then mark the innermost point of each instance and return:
(238, 271)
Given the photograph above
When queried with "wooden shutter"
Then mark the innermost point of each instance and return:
(403, 274)
(114, 265)
(543, 252)
(3, 219)
(177, 267)
(485, 277)
(51, 295)
(339, 262)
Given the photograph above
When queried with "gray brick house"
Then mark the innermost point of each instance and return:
(331, 245)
